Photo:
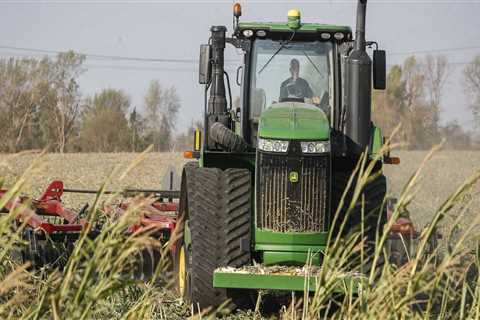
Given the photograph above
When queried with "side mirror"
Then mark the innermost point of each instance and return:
(379, 69)
(205, 66)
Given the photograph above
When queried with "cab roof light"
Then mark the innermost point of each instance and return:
(325, 35)
(339, 36)
(237, 10)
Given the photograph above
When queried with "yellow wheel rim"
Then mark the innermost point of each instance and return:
(181, 271)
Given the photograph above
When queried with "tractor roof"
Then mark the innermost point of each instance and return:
(283, 27)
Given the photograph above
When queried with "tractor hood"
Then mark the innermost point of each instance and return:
(294, 121)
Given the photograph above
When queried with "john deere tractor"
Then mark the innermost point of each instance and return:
(269, 174)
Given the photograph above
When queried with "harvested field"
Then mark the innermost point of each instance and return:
(440, 177)
(90, 171)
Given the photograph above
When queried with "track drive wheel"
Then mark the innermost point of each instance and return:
(218, 217)
(375, 214)
(181, 235)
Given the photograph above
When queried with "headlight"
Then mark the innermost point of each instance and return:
(247, 33)
(272, 145)
(315, 146)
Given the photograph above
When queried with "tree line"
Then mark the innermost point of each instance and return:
(41, 107)
(414, 98)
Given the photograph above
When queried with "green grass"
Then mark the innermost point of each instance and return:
(97, 281)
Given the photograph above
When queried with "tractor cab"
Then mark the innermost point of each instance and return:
(289, 66)
(285, 75)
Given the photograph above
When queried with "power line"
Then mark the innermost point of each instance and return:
(137, 68)
(157, 68)
(99, 57)
(435, 50)
(103, 57)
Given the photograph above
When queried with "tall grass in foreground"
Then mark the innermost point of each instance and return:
(97, 281)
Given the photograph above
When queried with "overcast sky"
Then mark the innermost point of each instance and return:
(175, 29)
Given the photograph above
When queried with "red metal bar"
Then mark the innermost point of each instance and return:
(53, 192)
(55, 208)
(49, 205)
(165, 206)
(151, 216)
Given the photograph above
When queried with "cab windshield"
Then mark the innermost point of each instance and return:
(290, 71)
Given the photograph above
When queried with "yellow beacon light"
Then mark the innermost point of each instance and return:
(293, 19)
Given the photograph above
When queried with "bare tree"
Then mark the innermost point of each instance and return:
(414, 82)
(153, 107)
(472, 86)
(436, 71)
(65, 73)
(17, 103)
(162, 107)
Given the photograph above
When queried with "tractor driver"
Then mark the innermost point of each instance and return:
(296, 87)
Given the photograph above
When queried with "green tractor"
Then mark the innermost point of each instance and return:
(269, 175)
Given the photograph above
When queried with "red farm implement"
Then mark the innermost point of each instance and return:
(51, 230)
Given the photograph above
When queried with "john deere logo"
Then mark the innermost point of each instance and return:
(293, 176)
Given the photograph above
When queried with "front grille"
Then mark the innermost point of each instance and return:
(285, 206)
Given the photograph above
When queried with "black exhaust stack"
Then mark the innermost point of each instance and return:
(359, 74)
(217, 102)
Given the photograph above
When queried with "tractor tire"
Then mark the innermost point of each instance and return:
(374, 214)
(219, 220)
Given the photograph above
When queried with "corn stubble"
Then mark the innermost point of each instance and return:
(97, 281)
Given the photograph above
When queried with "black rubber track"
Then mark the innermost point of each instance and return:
(374, 194)
(219, 221)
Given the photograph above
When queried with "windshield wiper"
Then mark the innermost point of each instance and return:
(276, 52)
(314, 65)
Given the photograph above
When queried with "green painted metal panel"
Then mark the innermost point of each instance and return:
(187, 238)
(305, 27)
(294, 120)
(289, 248)
(377, 140)
(290, 258)
(245, 280)
(313, 239)
(202, 157)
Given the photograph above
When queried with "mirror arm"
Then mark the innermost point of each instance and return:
(371, 43)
